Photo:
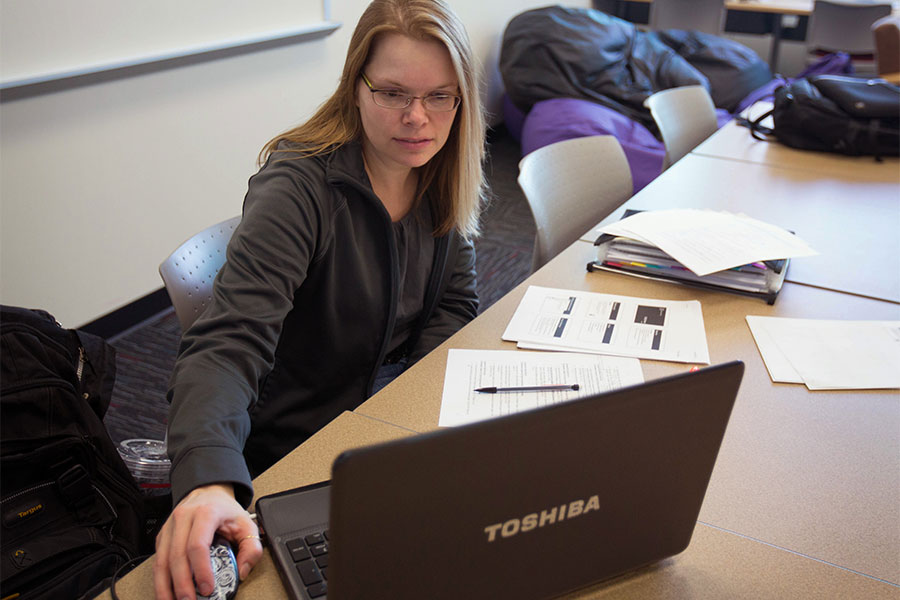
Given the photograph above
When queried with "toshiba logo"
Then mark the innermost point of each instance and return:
(549, 516)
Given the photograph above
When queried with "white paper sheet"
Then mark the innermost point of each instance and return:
(780, 368)
(471, 369)
(575, 321)
(830, 354)
(707, 241)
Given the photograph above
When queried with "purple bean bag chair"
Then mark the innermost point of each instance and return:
(561, 119)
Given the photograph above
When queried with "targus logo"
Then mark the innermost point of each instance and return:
(573, 509)
(30, 511)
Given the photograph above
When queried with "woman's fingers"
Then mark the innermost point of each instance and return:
(182, 563)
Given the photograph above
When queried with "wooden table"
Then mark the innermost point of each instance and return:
(803, 501)
(817, 474)
(852, 220)
(805, 497)
(784, 7)
(717, 564)
(779, 8)
(735, 142)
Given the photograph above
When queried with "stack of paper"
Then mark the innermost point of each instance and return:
(574, 321)
(829, 355)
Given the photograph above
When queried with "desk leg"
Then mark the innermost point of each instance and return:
(776, 41)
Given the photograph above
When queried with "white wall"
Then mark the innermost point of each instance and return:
(99, 183)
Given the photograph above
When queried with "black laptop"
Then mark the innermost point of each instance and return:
(531, 505)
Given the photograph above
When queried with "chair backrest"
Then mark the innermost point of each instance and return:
(886, 32)
(844, 26)
(189, 271)
(570, 187)
(685, 116)
(699, 15)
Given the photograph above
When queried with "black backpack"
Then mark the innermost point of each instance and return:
(72, 514)
(834, 113)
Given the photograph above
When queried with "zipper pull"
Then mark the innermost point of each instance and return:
(79, 372)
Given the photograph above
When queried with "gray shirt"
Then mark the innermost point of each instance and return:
(415, 247)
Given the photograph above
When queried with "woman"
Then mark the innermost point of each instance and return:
(353, 257)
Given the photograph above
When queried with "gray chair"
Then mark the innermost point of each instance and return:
(699, 15)
(188, 272)
(845, 26)
(685, 116)
(886, 32)
(570, 187)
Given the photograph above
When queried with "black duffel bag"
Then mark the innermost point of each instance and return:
(834, 113)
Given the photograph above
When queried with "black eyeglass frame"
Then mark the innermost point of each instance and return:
(409, 97)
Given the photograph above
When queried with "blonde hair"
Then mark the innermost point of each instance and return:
(454, 174)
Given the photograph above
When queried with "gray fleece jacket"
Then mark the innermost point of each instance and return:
(300, 321)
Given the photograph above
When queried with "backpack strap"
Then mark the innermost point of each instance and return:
(757, 129)
(874, 129)
(75, 488)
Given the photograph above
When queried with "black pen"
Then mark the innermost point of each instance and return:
(528, 388)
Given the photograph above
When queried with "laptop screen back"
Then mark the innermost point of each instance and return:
(534, 504)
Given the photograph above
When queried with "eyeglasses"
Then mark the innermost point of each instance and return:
(436, 102)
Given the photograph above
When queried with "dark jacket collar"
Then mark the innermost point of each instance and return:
(345, 165)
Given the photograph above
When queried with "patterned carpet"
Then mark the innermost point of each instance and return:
(146, 353)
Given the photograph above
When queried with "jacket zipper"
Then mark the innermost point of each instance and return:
(392, 308)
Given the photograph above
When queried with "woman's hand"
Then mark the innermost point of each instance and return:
(182, 546)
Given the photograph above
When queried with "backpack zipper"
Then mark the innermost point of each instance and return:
(79, 370)
(103, 497)
(26, 491)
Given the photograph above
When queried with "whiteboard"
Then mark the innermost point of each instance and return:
(42, 40)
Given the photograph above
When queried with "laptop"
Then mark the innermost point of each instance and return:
(530, 505)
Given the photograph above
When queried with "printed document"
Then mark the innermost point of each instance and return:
(576, 321)
(468, 370)
(707, 241)
(829, 354)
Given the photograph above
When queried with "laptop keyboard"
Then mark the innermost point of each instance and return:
(310, 554)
